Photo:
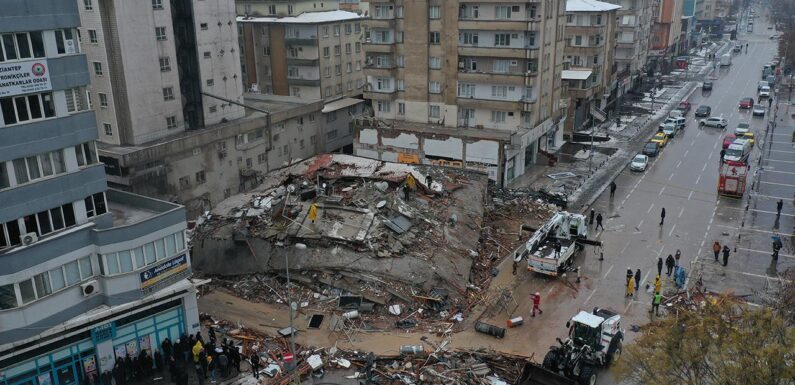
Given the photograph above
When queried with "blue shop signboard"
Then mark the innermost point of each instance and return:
(164, 270)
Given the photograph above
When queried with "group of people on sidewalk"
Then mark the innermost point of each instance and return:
(634, 278)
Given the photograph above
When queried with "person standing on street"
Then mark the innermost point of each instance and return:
(726, 252)
(254, 364)
(662, 216)
(629, 274)
(590, 221)
(776, 246)
(655, 304)
(612, 189)
(657, 285)
(599, 222)
(660, 264)
(637, 279)
(537, 304)
(716, 250)
(677, 256)
(631, 287)
(669, 265)
(779, 205)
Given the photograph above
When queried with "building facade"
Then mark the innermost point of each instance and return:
(470, 70)
(89, 274)
(153, 62)
(590, 46)
(666, 27)
(632, 41)
(201, 168)
(315, 54)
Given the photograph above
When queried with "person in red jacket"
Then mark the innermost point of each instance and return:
(537, 303)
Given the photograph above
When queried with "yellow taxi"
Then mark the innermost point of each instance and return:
(748, 135)
(660, 138)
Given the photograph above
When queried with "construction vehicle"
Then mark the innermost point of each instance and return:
(551, 248)
(594, 341)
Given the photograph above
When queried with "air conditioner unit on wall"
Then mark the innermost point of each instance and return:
(90, 288)
(28, 238)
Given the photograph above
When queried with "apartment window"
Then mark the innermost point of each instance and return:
(97, 68)
(271, 10)
(326, 51)
(598, 19)
(434, 12)
(434, 87)
(468, 38)
(328, 71)
(160, 33)
(92, 36)
(466, 90)
(336, 50)
(399, 37)
(327, 91)
(21, 45)
(336, 30)
(168, 93)
(383, 106)
(266, 51)
(210, 82)
(88, 5)
(292, 72)
(19, 109)
(171, 122)
(349, 85)
(289, 9)
(358, 65)
(500, 66)
(434, 38)
(213, 109)
(569, 19)
(434, 111)
(382, 84)
(596, 59)
(331, 116)
(349, 67)
(401, 61)
(532, 11)
(95, 205)
(203, 26)
(435, 63)
(348, 29)
(498, 116)
(578, 40)
(86, 154)
(500, 92)
(200, 177)
(157, 4)
(165, 64)
(401, 108)
(358, 47)
(338, 69)
(64, 42)
(399, 12)
(468, 12)
(37, 166)
(348, 48)
(502, 12)
(331, 134)
(401, 85)
(103, 100)
(502, 39)
(261, 158)
(325, 31)
(339, 89)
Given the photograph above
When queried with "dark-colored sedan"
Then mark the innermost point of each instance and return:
(703, 111)
(707, 86)
(747, 103)
(651, 149)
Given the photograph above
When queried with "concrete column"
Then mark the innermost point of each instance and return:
(191, 308)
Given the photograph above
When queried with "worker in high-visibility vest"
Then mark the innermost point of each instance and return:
(313, 212)
(411, 182)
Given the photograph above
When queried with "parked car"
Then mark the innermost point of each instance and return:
(684, 107)
(703, 111)
(764, 92)
(749, 136)
(747, 103)
(728, 139)
(759, 110)
(669, 129)
(707, 86)
(651, 149)
(742, 128)
(660, 138)
(762, 83)
(714, 122)
(639, 163)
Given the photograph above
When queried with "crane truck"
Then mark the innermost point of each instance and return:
(551, 248)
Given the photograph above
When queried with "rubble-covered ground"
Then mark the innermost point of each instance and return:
(370, 253)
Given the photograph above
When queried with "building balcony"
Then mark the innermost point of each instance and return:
(382, 23)
(500, 25)
(510, 53)
(381, 71)
(500, 105)
(589, 50)
(381, 95)
(490, 77)
(625, 45)
(370, 47)
(303, 62)
(582, 93)
(297, 81)
(301, 41)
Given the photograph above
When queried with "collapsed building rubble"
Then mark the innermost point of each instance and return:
(411, 242)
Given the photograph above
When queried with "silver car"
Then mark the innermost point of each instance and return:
(714, 122)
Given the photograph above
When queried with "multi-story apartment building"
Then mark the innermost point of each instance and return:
(89, 274)
(283, 8)
(632, 41)
(666, 27)
(314, 54)
(473, 72)
(152, 63)
(590, 49)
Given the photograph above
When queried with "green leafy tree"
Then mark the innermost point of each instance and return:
(720, 344)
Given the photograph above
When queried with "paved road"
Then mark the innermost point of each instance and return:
(683, 180)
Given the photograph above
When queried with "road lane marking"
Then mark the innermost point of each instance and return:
(678, 164)
(650, 208)
(682, 210)
(698, 179)
(769, 196)
(747, 229)
(704, 167)
(608, 272)
(589, 297)
(625, 247)
(641, 223)
(767, 212)
(777, 184)
(770, 252)
(672, 230)
(661, 191)
(777, 171)
(644, 279)
(686, 152)
(748, 274)
(690, 195)
(776, 160)
(672, 174)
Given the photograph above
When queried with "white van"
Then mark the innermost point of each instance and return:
(676, 114)
(726, 60)
(738, 151)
